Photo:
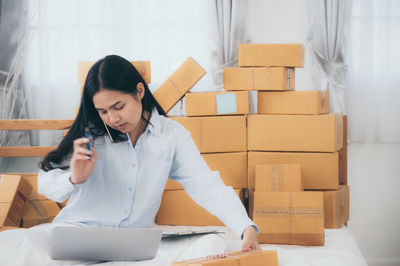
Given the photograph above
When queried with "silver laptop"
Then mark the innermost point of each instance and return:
(104, 244)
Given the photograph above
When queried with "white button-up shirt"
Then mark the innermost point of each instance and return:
(127, 183)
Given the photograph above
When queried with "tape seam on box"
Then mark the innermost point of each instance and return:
(224, 255)
(291, 218)
(215, 107)
(252, 78)
(289, 76)
(176, 87)
(200, 133)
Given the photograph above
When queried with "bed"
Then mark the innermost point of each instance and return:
(29, 247)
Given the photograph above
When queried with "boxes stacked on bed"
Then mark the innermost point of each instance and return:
(21, 206)
(219, 135)
(290, 127)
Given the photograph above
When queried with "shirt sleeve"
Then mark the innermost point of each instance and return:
(55, 184)
(206, 188)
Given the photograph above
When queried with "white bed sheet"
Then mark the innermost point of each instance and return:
(29, 247)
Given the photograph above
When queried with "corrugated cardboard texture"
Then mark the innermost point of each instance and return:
(283, 55)
(232, 168)
(278, 177)
(319, 170)
(181, 81)
(216, 134)
(14, 194)
(293, 102)
(143, 67)
(207, 103)
(249, 258)
(295, 218)
(336, 207)
(308, 133)
(259, 78)
(177, 208)
(38, 212)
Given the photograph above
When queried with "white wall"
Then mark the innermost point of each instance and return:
(374, 169)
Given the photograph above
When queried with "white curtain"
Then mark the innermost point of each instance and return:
(230, 31)
(327, 42)
(67, 31)
(374, 72)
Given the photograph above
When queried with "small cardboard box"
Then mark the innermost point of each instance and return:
(232, 168)
(319, 170)
(336, 207)
(293, 102)
(307, 133)
(278, 55)
(39, 211)
(259, 78)
(247, 258)
(217, 103)
(14, 194)
(295, 218)
(181, 81)
(216, 134)
(143, 67)
(177, 208)
(278, 177)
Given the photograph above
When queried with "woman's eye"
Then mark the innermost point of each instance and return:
(119, 108)
(103, 112)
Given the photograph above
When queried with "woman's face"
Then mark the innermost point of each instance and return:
(121, 111)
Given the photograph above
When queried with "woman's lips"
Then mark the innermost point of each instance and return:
(121, 126)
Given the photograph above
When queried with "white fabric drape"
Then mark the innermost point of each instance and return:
(67, 31)
(13, 42)
(230, 31)
(374, 72)
(327, 41)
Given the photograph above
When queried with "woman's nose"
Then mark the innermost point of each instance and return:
(113, 117)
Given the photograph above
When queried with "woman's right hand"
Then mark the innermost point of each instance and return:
(82, 161)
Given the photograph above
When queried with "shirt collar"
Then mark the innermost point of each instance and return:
(154, 125)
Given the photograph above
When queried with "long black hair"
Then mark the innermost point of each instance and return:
(111, 73)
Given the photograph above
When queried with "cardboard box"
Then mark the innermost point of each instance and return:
(177, 208)
(319, 170)
(217, 103)
(247, 258)
(14, 194)
(143, 67)
(293, 102)
(281, 55)
(216, 134)
(181, 81)
(5, 228)
(311, 133)
(39, 211)
(232, 168)
(259, 78)
(278, 177)
(336, 207)
(295, 218)
(343, 154)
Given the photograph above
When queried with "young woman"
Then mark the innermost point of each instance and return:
(120, 180)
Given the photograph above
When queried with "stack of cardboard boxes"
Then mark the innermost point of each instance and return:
(217, 125)
(21, 206)
(290, 128)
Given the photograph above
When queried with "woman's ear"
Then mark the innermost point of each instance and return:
(140, 91)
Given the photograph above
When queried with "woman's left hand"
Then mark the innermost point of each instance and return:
(250, 241)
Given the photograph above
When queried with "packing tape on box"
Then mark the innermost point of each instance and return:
(141, 69)
(42, 218)
(279, 211)
(222, 256)
(176, 87)
(277, 178)
(289, 77)
(200, 133)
